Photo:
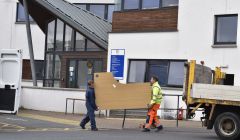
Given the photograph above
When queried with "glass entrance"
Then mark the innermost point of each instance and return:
(82, 70)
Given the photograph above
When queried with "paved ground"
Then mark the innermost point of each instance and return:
(35, 125)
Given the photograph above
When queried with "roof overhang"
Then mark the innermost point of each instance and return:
(88, 24)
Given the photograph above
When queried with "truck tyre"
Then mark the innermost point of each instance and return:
(227, 126)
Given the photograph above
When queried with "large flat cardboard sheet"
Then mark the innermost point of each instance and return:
(217, 92)
(111, 94)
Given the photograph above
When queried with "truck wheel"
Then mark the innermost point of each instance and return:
(227, 126)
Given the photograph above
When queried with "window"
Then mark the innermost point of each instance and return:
(131, 4)
(226, 29)
(170, 73)
(57, 68)
(21, 14)
(169, 3)
(147, 4)
(80, 42)
(69, 39)
(39, 68)
(111, 9)
(50, 36)
(176, 72)
(99, 10)
(92, 46)
(49, 66)
(59, 35)
(150, 4)
(137, 71)
(104, 11)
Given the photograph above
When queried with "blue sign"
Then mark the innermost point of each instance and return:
(117, 63)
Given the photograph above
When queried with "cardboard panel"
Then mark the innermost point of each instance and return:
(111, 94)
(217, 92)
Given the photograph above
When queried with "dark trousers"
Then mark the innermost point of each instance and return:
(90, 116)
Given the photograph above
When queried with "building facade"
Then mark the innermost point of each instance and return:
(63, 48)
(158, 39)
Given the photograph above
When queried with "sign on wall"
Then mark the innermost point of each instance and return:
(117, 63)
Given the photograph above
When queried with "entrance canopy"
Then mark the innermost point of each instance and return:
(88, 24)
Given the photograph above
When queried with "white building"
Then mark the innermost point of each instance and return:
(155, 36)
(202, 30)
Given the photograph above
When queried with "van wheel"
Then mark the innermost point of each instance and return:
(227, 126)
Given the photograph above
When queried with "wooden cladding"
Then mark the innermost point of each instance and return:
(164, 19)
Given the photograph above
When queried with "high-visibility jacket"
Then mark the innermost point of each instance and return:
(156, 94)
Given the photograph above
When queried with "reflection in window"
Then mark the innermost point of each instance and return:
(48, 83)
(92, 46)
(59, 35)
(80, 42)
(111, 9)
(159, 69)
(168, 3)
(57, 69)
(98, 66)
(176, 72)
(226, 29)
(83, 74)
(170, 73)
(21, 14)
(50, 36)
(137, 71)
(69, 39)
(57, 83)
(131, 4)
(99, 10)
(39, 68)
(49, 66)
(150, 4)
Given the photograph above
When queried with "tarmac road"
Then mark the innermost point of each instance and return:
(21, 128)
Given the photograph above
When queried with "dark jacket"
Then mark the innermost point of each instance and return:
(90, 99)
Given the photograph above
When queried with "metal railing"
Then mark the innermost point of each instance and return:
(164, 95)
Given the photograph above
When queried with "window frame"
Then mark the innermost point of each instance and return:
(216, 29)
(140, 7)
(147, 69)
(20, 21)
(106, 5)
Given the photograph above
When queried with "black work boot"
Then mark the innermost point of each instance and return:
(94, 129)
(146, 130)
(159, 128)
(82, 126)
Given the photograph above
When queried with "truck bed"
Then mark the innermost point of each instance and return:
(218, 94)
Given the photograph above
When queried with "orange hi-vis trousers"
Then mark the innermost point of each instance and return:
(153, 116)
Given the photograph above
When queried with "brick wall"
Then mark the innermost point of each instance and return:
(164, 19)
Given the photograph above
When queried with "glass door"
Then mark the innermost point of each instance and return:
(82, 70)
(72, 74)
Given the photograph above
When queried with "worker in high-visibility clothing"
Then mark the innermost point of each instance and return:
(154, 105)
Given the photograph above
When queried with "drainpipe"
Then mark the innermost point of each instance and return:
(30, 44)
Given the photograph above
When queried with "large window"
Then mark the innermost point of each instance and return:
(169, 72)
(226, 29)
(147, 4)
(104, 11)
(59, 35)
(131, 4)
(150, 4)
(62, 38)
(21, 14)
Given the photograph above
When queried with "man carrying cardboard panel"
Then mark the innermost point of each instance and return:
(154, 105)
